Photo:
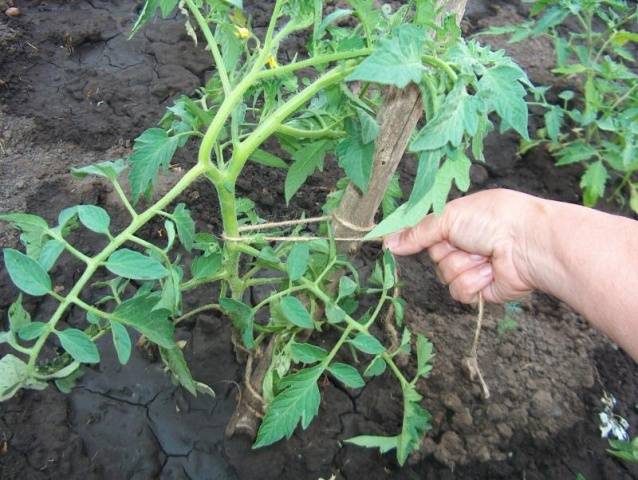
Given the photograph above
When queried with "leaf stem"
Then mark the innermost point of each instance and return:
(94, 263)
(212, 45)
(192, 313)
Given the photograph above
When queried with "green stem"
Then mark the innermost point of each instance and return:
(70, 248)
(312, 62)
(272, 123)
(124, 200)
(327, 132)
(150, 246)
(437, 62)
(192, 313)
(96, 262)
(212, 45)
(277, 295)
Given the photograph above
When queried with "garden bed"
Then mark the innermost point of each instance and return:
(73, 91)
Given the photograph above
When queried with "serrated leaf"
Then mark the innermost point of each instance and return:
(307, 353)
(429, 161)
(506, 95)
(139, 313)
(416, 421)
(355, 156)
(576, 152)
(185, 226)
(31, 331)
(395, 61)
(18, 316)
(176, 363)
(51, 251)
(121, 341)
(295, 312)
(553, 123)
(26, 274)
(347, 375)
(424, 353)
(94, 218)
(78, 344)
(152, 150)
(593, 183)
(297, 402)
(369, 126)
(206, 266)
(148, 10)
(367, 344)
(33, 230)
(305, 161)
(110, 169)
(242, 317)
(384, 444)
(297, 261)
(135, 265)
(449, 123)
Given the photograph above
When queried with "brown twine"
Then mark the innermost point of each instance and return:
(304, 238)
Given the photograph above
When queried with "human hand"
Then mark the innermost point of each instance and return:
(480, 243)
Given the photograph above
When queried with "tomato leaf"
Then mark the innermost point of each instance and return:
(307, 353)
(242, 317)
(185, 226)
(26, 274)
(94, 218)
(297, 261)
(139, 313)
(152, 150)
(121, 341)
(109, 169)
(347, 375)
(297, 402)
(78, 344)
(176, 363)
(305, 161)
(135, 265)
(395, 61)
(367, 344)
(295, 312)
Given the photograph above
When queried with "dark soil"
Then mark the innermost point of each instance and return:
(73, 91)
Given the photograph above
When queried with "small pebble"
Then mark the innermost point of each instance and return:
(12, 12)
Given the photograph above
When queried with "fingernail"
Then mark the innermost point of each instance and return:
(392, 241)
(486, 271)
(477, 258)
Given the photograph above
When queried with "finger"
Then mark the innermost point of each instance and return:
(413, 240)
(466, 286)
(458, 262)
(440, 250)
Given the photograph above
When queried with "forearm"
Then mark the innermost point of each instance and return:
(588, 259)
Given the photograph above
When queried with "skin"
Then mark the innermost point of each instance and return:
(506, 244)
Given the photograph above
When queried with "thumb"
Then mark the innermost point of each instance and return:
(420, 237)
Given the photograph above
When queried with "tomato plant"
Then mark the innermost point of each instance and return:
(318, 106)
(598, 126)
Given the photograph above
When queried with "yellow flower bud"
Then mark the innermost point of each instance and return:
(242, 32)
(272, 62)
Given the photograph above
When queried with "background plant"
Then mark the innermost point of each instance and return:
(597, 125)
(314, 108)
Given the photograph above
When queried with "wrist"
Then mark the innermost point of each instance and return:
(537, 246)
